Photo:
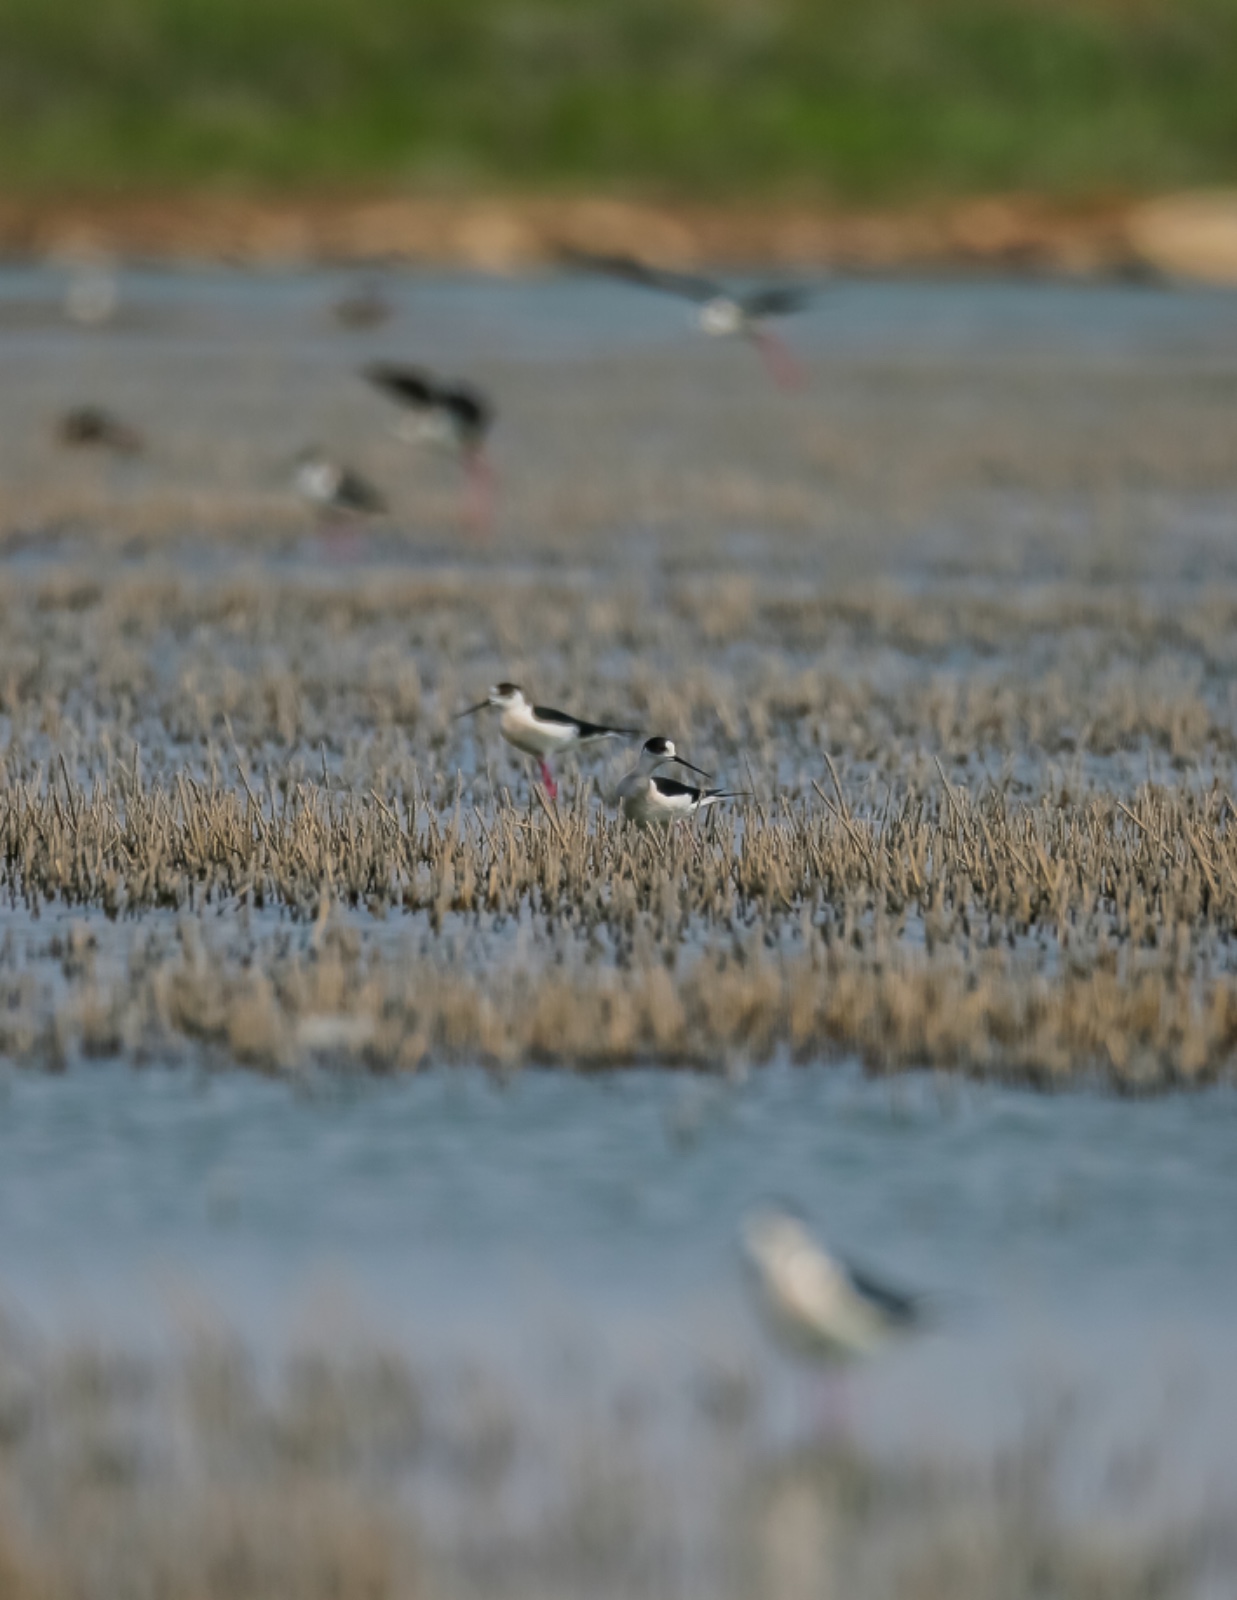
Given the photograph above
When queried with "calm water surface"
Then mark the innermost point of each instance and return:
(1076, 1240)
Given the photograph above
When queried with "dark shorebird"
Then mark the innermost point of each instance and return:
(94, 427)
(446, 411)
(723, 313)
(539, 731)
(646, 795)
(362, 306)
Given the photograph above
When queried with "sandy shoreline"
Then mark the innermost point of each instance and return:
(1190, 235)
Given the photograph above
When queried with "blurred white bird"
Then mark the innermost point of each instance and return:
(819, 1306)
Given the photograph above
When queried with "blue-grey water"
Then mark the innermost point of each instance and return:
(1071, 1242)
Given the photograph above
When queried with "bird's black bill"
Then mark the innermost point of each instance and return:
(699, 771)
(472, 710)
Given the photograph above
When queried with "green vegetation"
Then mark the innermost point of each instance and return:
(892, 99)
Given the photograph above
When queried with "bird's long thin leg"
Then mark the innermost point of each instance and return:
(547, 778)
(342, 539)
(784, 367)
(480, 502)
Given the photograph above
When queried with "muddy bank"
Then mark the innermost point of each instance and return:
(1018, 233)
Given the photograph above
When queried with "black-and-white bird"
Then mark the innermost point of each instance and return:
(446, 411)
(820, 1306)
(95, 427)
(540, 731)
(646, 795)
(335, 489)
(724, 313)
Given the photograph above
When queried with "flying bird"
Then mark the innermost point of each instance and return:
(446, 411)
(91, 426)
(539, 731)
(646, 795)
(723, 313)
(819, 1305)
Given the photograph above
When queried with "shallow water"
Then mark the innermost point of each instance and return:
(1074, 1243)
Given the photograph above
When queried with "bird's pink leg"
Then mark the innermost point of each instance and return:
(784, 367)
(479, 508)
(547, 779)
(342, 539)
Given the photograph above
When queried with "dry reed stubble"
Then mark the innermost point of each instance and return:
(362, 1474)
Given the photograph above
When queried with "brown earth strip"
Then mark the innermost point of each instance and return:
(1023, 233)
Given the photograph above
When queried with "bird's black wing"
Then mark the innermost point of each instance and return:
(900, 1307)
(586, 730)
(633, 271)
(672, 788)
(473, 410)
(776, 300)
(411, 386)
(595, 730)
(355, 494)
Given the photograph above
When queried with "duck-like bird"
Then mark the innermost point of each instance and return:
(646, 796)
(820, 1306)
(539, 731)
(96, 427)
(451, 412)
(724, 313)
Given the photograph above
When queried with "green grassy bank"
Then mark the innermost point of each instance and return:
(888, 100)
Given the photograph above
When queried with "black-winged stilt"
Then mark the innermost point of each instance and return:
(723, 313)
(540, 731)
(451, 412)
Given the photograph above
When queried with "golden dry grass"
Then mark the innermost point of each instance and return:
(991, 834)
(962, 618)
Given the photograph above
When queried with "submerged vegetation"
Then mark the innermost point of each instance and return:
(998, 875)
(962, 619)
(889, 99)
(367, 1473)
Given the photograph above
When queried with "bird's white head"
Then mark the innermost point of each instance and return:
(771, 1233)
(721, 316)
(502, 696)
(314, 474)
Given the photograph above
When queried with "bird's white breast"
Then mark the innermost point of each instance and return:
(721, 317)
(521, 728)
(317, 480)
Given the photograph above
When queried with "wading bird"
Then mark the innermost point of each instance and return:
(447, 412)
(646, 795)
(820, 1306)
(340, 495)
(539, 731)
(362, 306)
(95, 426)
(723, 313)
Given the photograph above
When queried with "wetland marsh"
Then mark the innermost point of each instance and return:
(960, 617)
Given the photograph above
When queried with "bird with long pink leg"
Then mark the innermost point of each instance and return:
(820, 1307)
(448, 412)
(540, 731)
(341, 497)
(723, 313)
